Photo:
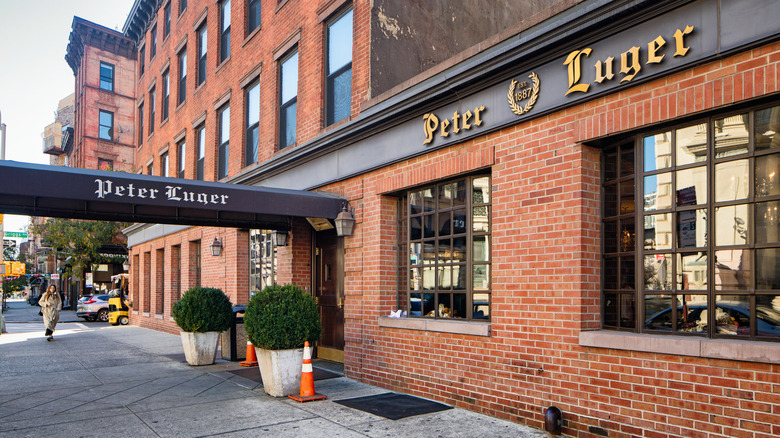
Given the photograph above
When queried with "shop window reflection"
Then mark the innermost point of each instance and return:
(767, 128)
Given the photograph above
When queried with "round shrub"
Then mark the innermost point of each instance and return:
(203, 309)
(282, 318)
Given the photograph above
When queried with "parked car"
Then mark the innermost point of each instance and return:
(733, 318)
(93, 307)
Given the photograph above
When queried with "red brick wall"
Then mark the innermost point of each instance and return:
(546, 280)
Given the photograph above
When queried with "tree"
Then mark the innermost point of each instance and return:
(80, 241)
(9, 253)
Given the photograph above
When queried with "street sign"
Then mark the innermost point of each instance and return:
(17, 234)
(8, 243)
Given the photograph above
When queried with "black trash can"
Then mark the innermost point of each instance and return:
(234, 338)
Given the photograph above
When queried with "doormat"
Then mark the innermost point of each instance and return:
(393, 406)
(253, 373)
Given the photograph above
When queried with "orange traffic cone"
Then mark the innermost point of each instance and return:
(307, 379)
(251, 357)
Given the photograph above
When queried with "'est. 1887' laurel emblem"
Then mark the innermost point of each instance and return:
(525, 92)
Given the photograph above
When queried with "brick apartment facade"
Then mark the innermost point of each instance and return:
(575, 205)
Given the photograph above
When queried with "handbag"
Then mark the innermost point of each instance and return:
(40, 312)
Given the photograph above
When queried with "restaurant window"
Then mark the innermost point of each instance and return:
(160, 281)
(288, 100)
(106, 76)
(166, 83)
(182, 92)
(153, 43)
(175, 273)
(252, 15)
(142, 60)
(338, 87)
(182, 150)
(167, 20)
(262, 260)
(224, 30)
(446, 232)
(152, 98)
(691, 233)
(164, 164)
(140, 124)
(224, 142)
(252, 139)
(200, 146)
(202, 51)
(106, 125)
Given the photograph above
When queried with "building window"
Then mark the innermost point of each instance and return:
(164, 164)
(195, 263)
(182, 76)
(200, 135)
(262, 261)
(338, 88)
(691, 232)
(160, 281)
(289, 100)
(446, 234)
(140, 124)
(152, 98)
(153, 49)
(150, 169)
(224, 33)
(252, 15)
(106, 76)
(202, 49)
(182, 148)
(105, 164)
(166, 83)
(252, 123)
(106, 125)
(182, 6)
(175, 273)
(142, 59)
(224, 142)
(167, 20)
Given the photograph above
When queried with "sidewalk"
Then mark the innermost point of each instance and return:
(99, 380)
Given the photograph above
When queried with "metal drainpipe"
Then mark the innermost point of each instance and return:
(2, 137)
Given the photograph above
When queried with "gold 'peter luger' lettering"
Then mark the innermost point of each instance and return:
(459, 122)
(630, 63)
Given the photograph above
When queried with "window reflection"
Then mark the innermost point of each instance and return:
(731, 135)
(767, 127)
(768, 269)
(732, 270)
(691, 186)
(658, 231)
(768, 222)
(768, 315)
(658, 272)
(657, 191)
(767, 175)
(731, 180)
(732, 315)
(692, 271)
(692, 229)
(691, 144)
(732, 225)
(658, 151)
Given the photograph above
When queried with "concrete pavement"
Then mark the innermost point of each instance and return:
(99, 380)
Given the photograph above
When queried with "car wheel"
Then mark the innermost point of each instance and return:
(124, 320)
(102, 315)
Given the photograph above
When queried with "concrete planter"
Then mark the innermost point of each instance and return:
(280, 370)
(200, 348)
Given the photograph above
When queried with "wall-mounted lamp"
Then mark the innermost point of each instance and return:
(345, 221)
(126, 265)
(279, 238)
(216, 247)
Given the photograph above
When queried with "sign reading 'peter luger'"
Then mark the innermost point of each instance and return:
(107, 188)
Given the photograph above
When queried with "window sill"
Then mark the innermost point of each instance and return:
(729, 349)
(198, 87)
(179, 106)
(251, 35)
(437, 325)
(222, 64)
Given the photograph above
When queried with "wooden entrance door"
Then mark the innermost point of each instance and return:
(329, 289)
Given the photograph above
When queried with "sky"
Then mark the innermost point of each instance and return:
(34, 75)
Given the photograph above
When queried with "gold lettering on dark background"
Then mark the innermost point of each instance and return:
(459, 122)
(630, 61)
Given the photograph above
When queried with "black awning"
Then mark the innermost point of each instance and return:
(58, 191)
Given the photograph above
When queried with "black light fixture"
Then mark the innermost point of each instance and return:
(216, 247)
(345, 221)
(279, 238)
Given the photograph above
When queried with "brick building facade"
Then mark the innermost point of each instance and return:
(577, 209)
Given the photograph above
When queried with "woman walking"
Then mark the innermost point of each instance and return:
(51, 304)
